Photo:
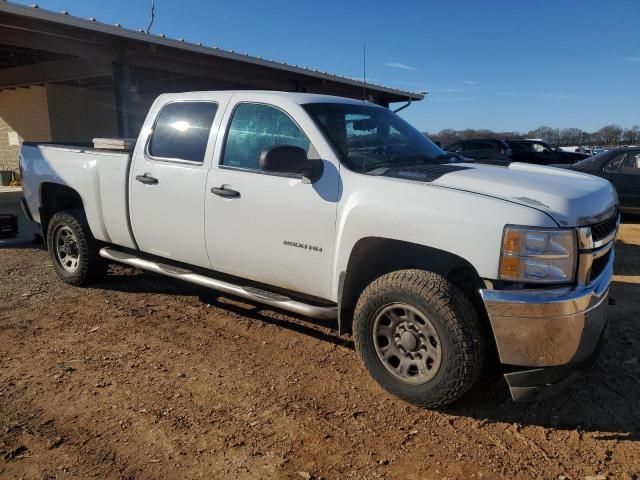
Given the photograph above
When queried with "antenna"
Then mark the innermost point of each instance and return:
(153, 15)
(364, 72)
(364, 99)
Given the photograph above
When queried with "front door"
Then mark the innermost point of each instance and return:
(168, 179)
(274, 229)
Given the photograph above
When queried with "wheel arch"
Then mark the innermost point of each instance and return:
(55, 197)
(372, 257)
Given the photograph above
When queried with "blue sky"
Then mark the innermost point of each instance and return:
(504, 65)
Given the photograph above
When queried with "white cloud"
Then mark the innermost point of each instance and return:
(556, 96)
(450, 90)
(470, 82)
(401, 66)
(450, 99)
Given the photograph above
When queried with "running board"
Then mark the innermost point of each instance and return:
(249, 293)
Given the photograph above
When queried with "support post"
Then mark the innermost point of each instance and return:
(122, 81)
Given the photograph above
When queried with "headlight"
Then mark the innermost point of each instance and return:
(538, 255)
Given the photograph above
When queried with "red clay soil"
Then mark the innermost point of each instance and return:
(142, 377)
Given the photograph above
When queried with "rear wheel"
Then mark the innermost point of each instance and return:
(73, 249)
(419, 337)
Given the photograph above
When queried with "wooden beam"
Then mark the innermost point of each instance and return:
(18, 37)
(54, 71)
(212, 71)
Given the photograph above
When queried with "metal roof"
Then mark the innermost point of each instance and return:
(92, 25)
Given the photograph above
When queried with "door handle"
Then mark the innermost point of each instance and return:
(147, 179)
(225, 191)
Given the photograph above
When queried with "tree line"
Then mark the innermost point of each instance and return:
(609, 135)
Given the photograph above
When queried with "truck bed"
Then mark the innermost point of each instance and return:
(101, 181)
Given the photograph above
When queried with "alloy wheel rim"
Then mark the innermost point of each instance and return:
(406, 343)
(66, 248)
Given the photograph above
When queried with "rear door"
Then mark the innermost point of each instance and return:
(628, 181)
(169, 175)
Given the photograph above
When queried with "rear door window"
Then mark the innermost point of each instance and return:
(481, 146)
(182, 131)
(522, 146)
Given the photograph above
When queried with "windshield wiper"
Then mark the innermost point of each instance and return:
(400, 162)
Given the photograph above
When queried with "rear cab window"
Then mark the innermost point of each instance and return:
(181, 132)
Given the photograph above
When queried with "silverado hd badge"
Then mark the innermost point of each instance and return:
(304, 246)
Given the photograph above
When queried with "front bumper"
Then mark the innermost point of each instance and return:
(554, 332)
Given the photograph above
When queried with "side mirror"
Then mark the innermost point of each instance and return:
(290, 160)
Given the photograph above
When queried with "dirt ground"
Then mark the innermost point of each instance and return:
(142, 377)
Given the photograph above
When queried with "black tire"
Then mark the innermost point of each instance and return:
(461, 339)
(90, 267)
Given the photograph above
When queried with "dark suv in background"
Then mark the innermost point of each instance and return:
(501, 152)
(485, 150)
(542, 153)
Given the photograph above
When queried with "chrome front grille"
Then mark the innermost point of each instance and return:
(604, 229)
(596, 244)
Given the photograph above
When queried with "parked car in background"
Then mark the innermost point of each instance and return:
(576, 148)
(621, 166)
(542, 153)
(486, 150)
(597, 150)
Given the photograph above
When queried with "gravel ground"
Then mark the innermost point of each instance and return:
(142, 377)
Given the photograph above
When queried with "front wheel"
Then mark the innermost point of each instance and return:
(419, 337)
(73, 249)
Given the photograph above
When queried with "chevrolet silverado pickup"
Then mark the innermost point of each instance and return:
(338, 209)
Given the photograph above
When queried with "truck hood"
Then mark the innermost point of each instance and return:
(569, 197)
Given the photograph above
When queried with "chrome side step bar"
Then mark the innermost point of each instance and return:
(249, 293)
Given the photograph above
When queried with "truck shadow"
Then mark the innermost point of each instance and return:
(627, 258)
(131, 281)
(605, 398)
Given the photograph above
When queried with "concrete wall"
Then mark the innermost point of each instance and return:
(81, 114)
(24, 114)
(57, 113)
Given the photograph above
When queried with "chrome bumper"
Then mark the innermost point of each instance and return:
(549, 328)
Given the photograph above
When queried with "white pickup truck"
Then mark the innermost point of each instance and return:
(338, 209)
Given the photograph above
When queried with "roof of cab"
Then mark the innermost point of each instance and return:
(299, 98)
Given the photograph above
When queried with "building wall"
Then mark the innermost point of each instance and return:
(24, 115)
(81, 114)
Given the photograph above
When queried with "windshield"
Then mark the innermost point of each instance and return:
(368, 137)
